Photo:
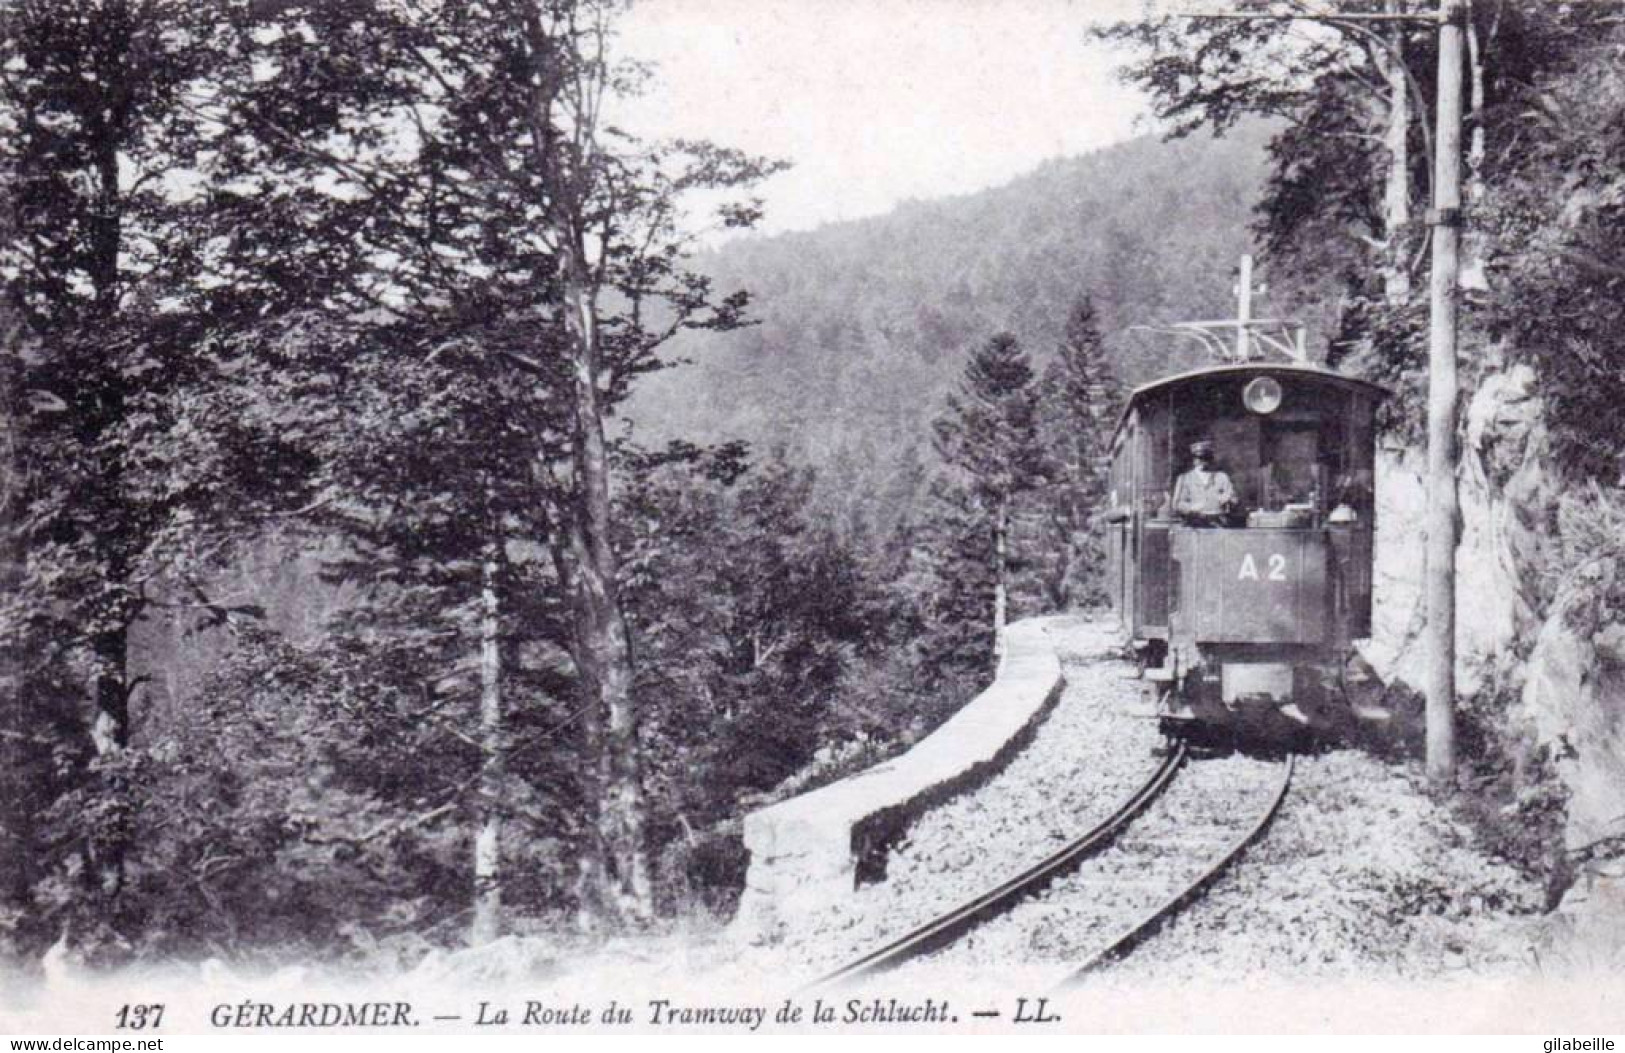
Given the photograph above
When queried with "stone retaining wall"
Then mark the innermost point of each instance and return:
(805, 852)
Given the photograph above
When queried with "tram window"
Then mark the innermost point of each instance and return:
(1235, 444)
(1291, 473)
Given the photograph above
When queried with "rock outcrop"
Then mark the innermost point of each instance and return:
(1506, 493)
(1574, 696)
(1530, 626)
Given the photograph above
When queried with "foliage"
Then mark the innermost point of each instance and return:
(988, 439)
(368, 278)
(1542, 151)
(309, 809)
(1557, 217)
(1515, 799)
(1590, 554)
(864, 327)
(952, 590)
(1542, 144)
(988, 431)
(99, 257)
(1080, 399)
(1338, 253)
(303, 262)
(750, 617)
(43, 756)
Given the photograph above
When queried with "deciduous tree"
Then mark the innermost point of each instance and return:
(98, 257)
(498, 200)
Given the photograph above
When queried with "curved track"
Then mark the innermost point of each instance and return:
(1140, 930)
(949, 926)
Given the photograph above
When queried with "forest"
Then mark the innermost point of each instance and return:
(865, 326)
(414, 534)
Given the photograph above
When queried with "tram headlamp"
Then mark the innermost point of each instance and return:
(1262, 395)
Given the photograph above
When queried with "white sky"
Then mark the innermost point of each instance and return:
(878, 101)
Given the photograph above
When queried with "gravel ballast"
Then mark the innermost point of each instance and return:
(1091, 751)
(1360, 875)
(1208, 807)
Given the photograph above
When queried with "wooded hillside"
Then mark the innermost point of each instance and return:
(863, 327)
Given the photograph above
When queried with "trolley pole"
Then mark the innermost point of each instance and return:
(1445, 219)
(1244, 310)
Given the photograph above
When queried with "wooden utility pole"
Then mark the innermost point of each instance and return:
(1445, 220)
(1001, 570)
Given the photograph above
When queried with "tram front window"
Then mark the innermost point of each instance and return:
(1291, 473)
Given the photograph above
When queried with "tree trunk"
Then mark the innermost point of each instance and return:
(487, 923)
(1001, 546)
(1065, 567)
(603, 649)
(1396, 200)
(603, 643)
(110, 735)
(1475, 105)
(110, 648)
(1473, 248)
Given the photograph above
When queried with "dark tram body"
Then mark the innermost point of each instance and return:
(1244, 621)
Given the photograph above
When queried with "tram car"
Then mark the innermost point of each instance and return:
(1243, 596)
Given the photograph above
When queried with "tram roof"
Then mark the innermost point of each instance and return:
(1300, 370)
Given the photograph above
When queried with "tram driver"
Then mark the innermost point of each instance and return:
(1204, 496)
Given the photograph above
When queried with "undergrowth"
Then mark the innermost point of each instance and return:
(1511, 795)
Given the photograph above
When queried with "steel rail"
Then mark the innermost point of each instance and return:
(948, 927)
(1143, 929)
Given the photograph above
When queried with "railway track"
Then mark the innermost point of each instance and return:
(1147, 925)
(949, 926)
(1127, 888)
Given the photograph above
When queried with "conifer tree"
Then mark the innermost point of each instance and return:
(1079, 404)
(988, 439)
